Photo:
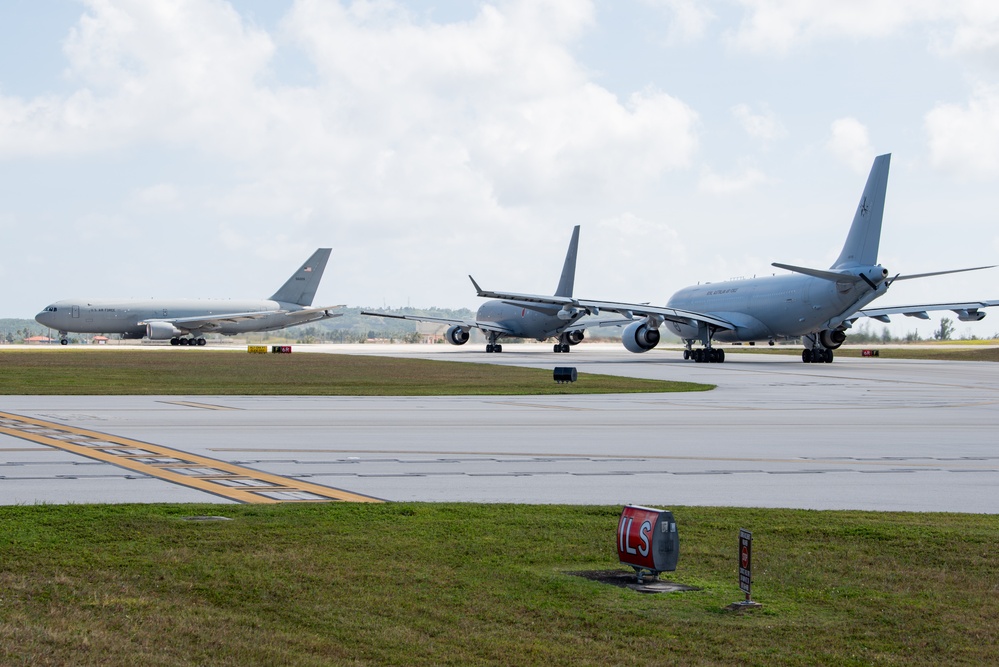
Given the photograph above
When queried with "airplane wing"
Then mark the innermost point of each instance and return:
(630, 311)
(211, 322)
(968, 311)
(466, 324)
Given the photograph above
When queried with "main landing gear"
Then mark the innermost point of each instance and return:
(492, 345)
(817, 355)
(564, 343)
(188, 341)
(705, 355)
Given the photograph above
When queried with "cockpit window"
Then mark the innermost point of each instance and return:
(51, 309)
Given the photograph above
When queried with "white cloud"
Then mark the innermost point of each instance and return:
(159, 196)
(718, 185)
(764, 126)
(496, 104)
(777, 26)
(964, 139)
(850, 144)
(689, 19)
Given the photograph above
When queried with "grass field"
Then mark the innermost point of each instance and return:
(446, 584)
(217, 373)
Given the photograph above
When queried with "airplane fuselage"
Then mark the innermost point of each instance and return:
(525, 322)
(771, 307)
(123, 316)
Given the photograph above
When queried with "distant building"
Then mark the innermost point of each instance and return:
(99, 340)
(37, 340)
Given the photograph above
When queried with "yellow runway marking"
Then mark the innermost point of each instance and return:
(198, 472)
(203, 406)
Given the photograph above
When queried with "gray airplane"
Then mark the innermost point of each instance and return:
(186, 321)
(512, 317)
(815, 305)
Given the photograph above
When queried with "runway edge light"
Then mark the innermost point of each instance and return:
(647, 540)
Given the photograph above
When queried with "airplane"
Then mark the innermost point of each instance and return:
(186, 321)
(511, 317)
(818, 306)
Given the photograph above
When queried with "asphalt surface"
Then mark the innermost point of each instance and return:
(872, 434)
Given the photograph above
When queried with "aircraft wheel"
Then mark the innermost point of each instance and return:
(699, 356)
(686, 355)
(489, 349)
(806, 356)
(565, 348)
(174, 341)
(721, 356)
(202, 341)
(829, 356)
(64, 342)
(497, 348)
(556, 348)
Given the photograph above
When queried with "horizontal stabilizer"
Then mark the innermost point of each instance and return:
(819, 273)
(941, 273)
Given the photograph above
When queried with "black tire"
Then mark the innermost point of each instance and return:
(806, 356)
(721, 356)
(565, 348)
(497, 348)
(829, 356)
(489, 349)
(556, 348)
(64, 342)
(202, 341)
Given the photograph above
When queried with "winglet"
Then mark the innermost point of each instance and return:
(565, 283)
(478, 289)
(301, 287)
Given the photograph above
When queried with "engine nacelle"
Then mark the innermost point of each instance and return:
(456, 335)
(575, 337)
(970, 315)
(832, 338)
(567, 314)
(639, 337)
(162, 331)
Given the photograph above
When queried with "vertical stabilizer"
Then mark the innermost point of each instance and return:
(301, 287)
(861, 247)
(565, 283)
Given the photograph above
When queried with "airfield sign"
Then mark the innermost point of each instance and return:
(746, 562)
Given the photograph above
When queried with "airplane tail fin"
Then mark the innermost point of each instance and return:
(301, 287)
(861, 248)
(565, 283)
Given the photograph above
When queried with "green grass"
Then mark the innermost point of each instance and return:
(451, 584)
(208, 372)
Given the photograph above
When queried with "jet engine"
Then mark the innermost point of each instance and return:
(832, 338)
(970, 315)
(456, 335)
(639, 337)
(162, 331)
(575, 337)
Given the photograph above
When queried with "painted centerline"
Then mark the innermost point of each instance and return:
(230, 481)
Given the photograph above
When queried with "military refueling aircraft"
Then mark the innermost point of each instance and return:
(186, 321)
(512, 317)
(815, 305)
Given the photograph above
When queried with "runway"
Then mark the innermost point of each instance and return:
(872, 434)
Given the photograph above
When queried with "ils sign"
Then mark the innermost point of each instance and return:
(647, 538)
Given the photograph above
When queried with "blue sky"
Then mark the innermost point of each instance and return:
(205, 148)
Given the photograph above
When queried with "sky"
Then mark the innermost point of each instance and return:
(204, 148)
